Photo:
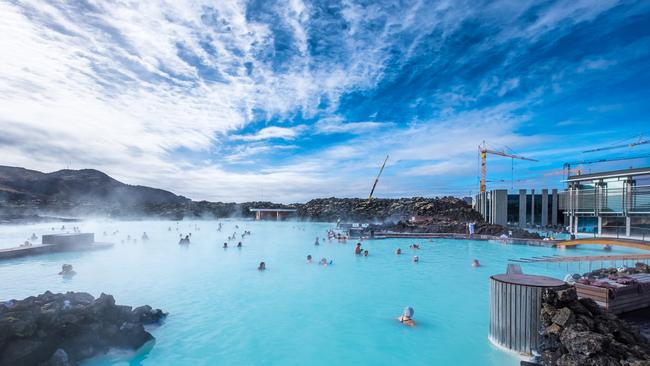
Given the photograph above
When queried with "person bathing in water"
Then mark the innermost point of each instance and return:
(398, 251)
(475, 263)
(316, 242)
(67, 271)
(308, 258)
(407, 317)
(239, 245)
(262, 266)
(357, 249)
(225, 245)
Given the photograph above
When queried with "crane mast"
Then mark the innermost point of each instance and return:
(483, 150)
(377, 179)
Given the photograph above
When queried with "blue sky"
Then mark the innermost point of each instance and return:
(291, 100)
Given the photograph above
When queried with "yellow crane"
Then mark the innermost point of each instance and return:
(483, 151)
(377, 179)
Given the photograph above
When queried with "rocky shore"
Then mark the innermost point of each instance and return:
(381, 210)
(578, 332)
(432, 215)
(62, 329)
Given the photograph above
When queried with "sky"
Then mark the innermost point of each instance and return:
(291, 100)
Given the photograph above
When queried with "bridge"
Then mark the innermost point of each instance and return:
(273, 213)
(630, 243)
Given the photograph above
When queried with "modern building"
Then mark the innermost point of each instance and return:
(609, 203)
(613, 203)
(525, 208)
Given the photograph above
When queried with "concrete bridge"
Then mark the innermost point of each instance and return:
(630, 243)
(273, 213)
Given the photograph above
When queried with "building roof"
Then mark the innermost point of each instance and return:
(274, 209)
(610, 174)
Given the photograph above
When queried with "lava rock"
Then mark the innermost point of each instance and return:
(577, 332)
(563, 317)
(62, 329)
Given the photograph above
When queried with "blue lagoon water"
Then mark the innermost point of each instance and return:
(223, 311)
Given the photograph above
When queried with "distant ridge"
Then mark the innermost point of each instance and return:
(29, 195)
(32, 196)
(77, 187)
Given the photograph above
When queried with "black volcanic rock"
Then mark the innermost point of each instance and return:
(577, 332)
(61, 329)
(358, 209)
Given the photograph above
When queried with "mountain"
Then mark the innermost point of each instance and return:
(73, 189)
(27, 195)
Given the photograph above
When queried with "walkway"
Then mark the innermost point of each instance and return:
(630, 243)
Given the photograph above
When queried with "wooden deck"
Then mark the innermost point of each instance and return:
(619, 298)
(630, 243)
(584, 258)
(456, 236)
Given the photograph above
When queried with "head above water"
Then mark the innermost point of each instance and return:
(408, 312)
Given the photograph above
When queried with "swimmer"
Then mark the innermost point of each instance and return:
(365, 253)
(357, 249)
(262, 266)
(607, 247)
(67, 271)
(398, 251)
(239, 245)
(475, 263)
(407, 317)
(308, 258)
(225, 245)
(323, 261)
(414, 246)
(416, 259)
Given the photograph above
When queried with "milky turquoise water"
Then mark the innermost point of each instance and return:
(223, 311)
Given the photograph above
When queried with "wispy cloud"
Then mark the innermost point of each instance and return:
(336, 124)
(173, 94)
(273, 132)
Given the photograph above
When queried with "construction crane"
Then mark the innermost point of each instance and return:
(483, 150)
(377, 179)
(567, 166)
(640, 141)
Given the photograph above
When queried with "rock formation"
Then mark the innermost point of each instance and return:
(578, 332)
(380, 210)
(61, 329)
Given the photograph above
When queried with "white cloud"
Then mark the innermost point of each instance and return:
(336, 124)
(273, 132)
(122, 87)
